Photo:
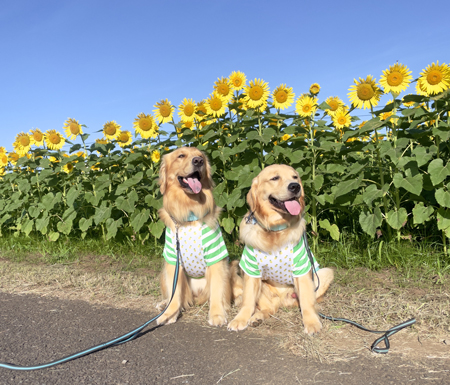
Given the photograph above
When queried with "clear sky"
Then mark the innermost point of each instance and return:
(99, 60)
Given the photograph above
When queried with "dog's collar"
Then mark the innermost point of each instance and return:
(191, 217)
(250, 219)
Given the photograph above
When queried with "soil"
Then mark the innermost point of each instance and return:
(36, 329)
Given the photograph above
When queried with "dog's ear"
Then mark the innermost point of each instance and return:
(252, 199)
(208, 170)
(162, 175)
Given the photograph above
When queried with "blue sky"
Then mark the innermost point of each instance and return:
(97, 61)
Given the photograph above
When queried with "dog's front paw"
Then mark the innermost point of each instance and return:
(237, 325)
(255, 321)
(217, 320)
(167, 319)
(312, 325)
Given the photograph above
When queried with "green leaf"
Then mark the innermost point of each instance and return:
(84, 224)
(134, 180)
(318, 182)
(421, 213)
(332, 229)
(50, 200)
(102, 213)
(153, 202)
(228, 224)
(443, 219)
(370, 222)
(52, 236)
(72, 194)
(397, 219)
(345, 187)
(370, 194)
(413, 184)
(27, 226)
(139, 219)
(442, 197)
(64, 227)
(34, 211)
(437, 171)
(112, 226)
(157, 228)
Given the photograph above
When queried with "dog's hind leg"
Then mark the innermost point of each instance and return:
(218, 281)
(268, 304)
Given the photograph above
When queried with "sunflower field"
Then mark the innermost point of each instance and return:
(386, 177)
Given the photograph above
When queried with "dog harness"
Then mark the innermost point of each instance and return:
(280, 266)
(200, 247)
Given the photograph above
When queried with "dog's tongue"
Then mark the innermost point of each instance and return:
(293, 207)
(194, 184)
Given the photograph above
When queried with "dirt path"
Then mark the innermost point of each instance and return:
(37, 329)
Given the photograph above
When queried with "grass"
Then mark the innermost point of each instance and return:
(378, 285)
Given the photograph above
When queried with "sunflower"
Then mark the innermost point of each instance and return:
(435, 78)
(111, 130)
(314, 89)
(365, 93)
(3, 159)
(256, 93)
(145, 126)
(2, 171)
(156, 156)
(54, 140)
(335, 103)
(186, 110)
(37, 137)
(101, 141)
(237, 80)
(283, 96)
(164, 111)
(189, 125)
(342, 119)
(223, 87)
(68, 167)
(408, 104)
(13, 157)
(396, 78)
(124, 138)
(215, 105)
(22, 143)
(285, 137)
(72, 128)
(306, 106)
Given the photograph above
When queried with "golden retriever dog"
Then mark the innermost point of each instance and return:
(277, 270)
(189, 208)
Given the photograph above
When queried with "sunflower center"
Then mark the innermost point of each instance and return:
(306, 108)
(110, 130)
(74, 128)
(342, 120)
(145, 124)
(314, 90)
(256, 92)
(365, 92)
(123, 137)
(165, 111)
(37, 136)
(69, 166)
(394, 78)
(237, 82)
(54, 139)
(434, 77)
(333, 105)
(24, 140)
(281, 96)
(216, 104)
(188, 124)
(4, 159)
(189, 110)
(223, 89)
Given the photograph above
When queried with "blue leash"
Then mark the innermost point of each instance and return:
(116, 341)
(386, 333)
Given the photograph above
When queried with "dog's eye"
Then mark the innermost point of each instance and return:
(181, 156)
(295, 177)
(275, 178)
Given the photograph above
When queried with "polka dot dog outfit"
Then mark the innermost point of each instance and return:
(200, 247)
(280, 266)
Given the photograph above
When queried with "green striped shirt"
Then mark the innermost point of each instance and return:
(200, 247)
(279, 266)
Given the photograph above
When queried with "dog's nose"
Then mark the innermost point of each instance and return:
(197, 161)
(294, 187)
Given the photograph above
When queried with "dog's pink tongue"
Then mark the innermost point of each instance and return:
(194, 184)
(293, 207)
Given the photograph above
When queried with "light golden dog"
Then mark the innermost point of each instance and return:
(277, 270)
(189, 208)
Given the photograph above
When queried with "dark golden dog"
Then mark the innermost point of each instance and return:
(188, 203)
(275, 262)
